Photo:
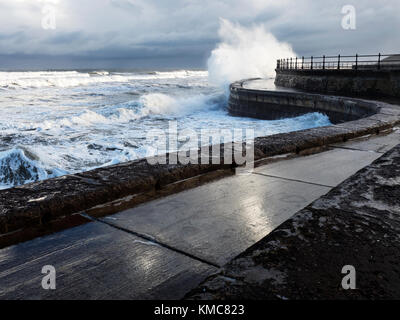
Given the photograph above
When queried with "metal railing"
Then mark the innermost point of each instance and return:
(339, 62)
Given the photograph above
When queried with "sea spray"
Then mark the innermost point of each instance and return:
(158, 103)
(245, 53)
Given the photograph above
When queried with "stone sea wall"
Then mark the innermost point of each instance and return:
(271, 105)
(369, 83)
(40, 203)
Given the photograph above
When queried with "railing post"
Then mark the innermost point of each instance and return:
(296, 63)
(356, 61)
(277, 64)
(312, 61)
(291, 63)
(379, 61)
(302, 62)
(338, 64)
(323, 63)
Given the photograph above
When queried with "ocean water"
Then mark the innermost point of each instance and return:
(54, 123)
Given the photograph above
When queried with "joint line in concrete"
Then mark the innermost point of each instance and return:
(295, 180)
(355, 149)
(152, 240)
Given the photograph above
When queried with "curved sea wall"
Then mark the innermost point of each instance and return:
(371, 83)
(40, 204)
(271, 105)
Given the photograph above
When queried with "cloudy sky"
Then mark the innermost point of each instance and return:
(180, 33)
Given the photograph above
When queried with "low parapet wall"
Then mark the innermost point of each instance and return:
(39, 203)
(271, 105)
(370, 83)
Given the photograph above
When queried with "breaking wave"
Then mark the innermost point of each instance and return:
(65, 79)
(148, 105)
(18, 167)
(64, 122)
(157, 103)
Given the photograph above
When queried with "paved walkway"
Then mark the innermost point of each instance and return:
(165, 248)
(345, 245)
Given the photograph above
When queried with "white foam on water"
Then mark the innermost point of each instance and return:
(17, 168)
(54, 123)
(147, 105)
(67, 79)
(158, 103)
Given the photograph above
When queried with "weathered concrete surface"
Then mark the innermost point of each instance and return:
(376, 143)
(96, 261)
(328, 168)
(219, 220)
(357, 223)
(346, 82)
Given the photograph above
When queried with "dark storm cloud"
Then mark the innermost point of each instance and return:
(158, 28)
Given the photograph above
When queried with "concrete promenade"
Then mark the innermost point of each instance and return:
(165, 248)
(354, 228)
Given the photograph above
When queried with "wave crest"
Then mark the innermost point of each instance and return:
(148, 105)
(17, 169)
(158, 103)
(65, 79)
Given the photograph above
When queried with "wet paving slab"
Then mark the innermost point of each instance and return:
(377, 143)
(328, 168)
(164, 248)
(96, 261)
(345, 245)
(219, 220)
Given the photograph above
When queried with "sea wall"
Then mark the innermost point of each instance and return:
(369, 83)
(41, 203)
(271, 105)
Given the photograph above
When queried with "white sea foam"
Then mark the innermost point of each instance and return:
(17, 168)
(67, 79)
(158, 103)
(148, 105)
(53, 123)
